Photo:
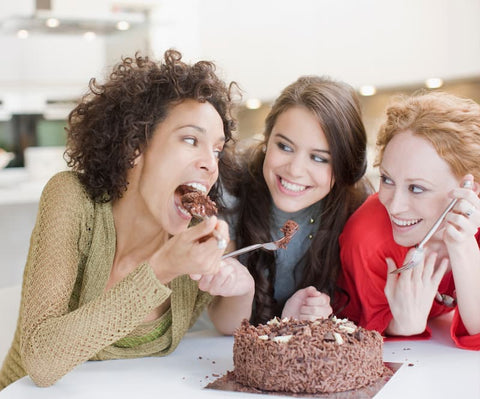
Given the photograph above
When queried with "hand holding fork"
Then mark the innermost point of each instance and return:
(418, 253)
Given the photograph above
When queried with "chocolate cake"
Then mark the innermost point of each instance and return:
(322, 356)
(288, 229)
(196, 203)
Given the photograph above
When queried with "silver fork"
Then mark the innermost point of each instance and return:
(417, 255)
(269, 246)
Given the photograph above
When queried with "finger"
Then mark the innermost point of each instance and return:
(315, 311)
(312, 291)
(321, 300)
(395, 281)
(391, 278)
(205, 282)
(201, 230)
(440, 272)
(222, 228)
(195, 277)
(429, 265)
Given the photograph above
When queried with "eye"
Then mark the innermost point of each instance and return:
(386, 180)
(416, 189)
(191, 140)
(318, 158)
(284, 147)
(218, 153)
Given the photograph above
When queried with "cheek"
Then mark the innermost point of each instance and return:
(324, 178)
(382, 197)
(267, 167)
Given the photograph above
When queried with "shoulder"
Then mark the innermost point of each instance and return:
(370, 218)
(66, 180)
(368, 230)
(64, 190)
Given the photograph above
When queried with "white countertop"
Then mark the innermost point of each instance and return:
(18, 186)
(432, 369)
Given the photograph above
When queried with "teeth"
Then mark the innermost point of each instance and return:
(405, 222)
(198, 186)
(292, 186)
(184, 211)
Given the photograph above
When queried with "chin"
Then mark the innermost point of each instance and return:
(405, 242)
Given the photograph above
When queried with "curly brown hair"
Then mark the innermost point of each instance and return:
(113, 123)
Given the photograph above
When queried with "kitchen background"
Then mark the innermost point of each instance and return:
(51, 48)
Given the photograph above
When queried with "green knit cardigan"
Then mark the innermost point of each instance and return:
(66, 316)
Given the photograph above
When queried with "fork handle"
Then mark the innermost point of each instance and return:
(242, 250)
(437, 223)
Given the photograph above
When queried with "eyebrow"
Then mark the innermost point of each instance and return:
(200, 130)
(415, 180)
(291, 142)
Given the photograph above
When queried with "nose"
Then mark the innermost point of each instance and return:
(208, 162)
(296, 165)
(396, 201)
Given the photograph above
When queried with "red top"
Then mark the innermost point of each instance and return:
(366, 241)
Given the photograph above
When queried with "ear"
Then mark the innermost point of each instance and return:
(138, 158)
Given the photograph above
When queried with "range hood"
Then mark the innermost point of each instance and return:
(74, 16)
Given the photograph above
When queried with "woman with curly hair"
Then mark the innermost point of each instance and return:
(110, 259)
(309, 168)
(429, 147)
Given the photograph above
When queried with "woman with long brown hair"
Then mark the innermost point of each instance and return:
(309, 168)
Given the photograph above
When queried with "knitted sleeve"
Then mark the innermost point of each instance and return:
(54, 339)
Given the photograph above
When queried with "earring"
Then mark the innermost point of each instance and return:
(264, 148)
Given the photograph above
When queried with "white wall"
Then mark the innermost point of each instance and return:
(262, 44)
(40, 68)
(266, 44)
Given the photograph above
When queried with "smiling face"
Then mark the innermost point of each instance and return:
(184, 149)
(297, 167)
(414, 186)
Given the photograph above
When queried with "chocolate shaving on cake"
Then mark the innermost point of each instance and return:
(196, 203)
(289, 229)
(326, 358)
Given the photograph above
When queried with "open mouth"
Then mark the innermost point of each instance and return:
(192, 200)
(405, 222)
(292, 187)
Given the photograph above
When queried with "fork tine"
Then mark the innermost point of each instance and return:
(406, 266)
(412, 262)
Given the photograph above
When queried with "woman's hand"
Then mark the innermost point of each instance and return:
(232, 279)
(464, 220)
(193, 251)
(410, 294)
(234, 288)
(459, 236)
(307, 304)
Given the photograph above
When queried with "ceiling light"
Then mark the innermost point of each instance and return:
(123, 25)
(89, 35)
(368, 90)
(253, 103)
(22, 34)
(52, 22)
(434, 83)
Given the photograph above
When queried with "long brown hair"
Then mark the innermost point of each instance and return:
(337, 109)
